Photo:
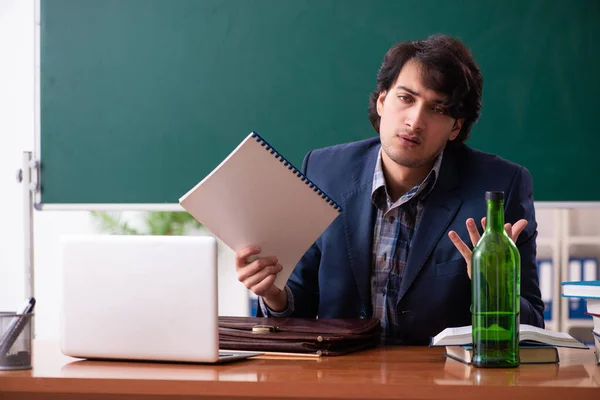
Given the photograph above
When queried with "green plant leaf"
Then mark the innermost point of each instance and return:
(157, 223)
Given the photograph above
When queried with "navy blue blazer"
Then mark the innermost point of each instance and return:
(333, 278)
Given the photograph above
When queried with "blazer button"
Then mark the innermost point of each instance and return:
(363, 315)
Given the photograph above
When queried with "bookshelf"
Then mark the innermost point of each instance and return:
(580, 239)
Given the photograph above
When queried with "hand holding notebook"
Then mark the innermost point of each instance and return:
(257, 197)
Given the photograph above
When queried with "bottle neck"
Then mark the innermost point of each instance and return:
(495, 216)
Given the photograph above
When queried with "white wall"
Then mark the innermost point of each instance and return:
(17, 135)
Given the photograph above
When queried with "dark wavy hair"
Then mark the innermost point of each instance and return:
(447, 67)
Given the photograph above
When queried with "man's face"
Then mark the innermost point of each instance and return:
(414, 126)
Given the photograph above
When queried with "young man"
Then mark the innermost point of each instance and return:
(395, 253)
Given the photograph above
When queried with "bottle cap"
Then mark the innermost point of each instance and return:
(494, 196)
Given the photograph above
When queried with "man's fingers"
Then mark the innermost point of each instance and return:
(460, 245)
(513, 231)
(242, 255)
(473, 232)
(464, 250)
(265, 288)
(254, 267)
(258, 277)
(508, 229)
(517, 229)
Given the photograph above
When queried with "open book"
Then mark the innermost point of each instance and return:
(540, 354)
(257, 197)
(527, 335)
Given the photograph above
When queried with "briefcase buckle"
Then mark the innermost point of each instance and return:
(263, 329)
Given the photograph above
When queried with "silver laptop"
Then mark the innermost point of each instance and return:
(141, 298)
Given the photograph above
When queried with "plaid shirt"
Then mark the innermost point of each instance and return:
(394, 228)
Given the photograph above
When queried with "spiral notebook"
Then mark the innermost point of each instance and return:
(257, 197)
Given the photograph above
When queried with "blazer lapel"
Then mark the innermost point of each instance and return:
(440, 208)
(359, 217)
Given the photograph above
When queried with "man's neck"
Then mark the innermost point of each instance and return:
(400, 179)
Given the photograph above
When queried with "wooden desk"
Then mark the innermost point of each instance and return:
(383, 373)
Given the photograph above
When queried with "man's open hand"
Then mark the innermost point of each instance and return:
(513, 232)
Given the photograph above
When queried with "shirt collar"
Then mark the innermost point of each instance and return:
(379, 193)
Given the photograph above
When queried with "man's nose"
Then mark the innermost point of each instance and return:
(415, 119)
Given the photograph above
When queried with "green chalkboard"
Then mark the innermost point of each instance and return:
(140, 99)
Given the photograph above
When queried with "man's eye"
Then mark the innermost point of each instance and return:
(439, 110)
(405, 99)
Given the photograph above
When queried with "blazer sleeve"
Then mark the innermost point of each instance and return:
(519, 204)
(304, 280)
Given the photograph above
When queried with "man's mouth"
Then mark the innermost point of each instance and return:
(409, 139)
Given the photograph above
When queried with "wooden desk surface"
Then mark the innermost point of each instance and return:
(382, 373)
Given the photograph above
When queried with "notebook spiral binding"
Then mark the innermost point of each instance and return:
(296, 171)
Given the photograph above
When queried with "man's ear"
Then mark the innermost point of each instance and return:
(380, 101)
(456, 128)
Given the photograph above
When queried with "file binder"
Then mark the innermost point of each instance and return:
(255, 196)
(590, 269)
(253, 303)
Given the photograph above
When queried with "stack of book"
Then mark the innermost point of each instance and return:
(590, 291)
(536, 345)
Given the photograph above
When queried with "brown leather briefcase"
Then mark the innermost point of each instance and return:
(328, 337)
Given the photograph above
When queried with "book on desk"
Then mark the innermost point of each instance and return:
(536, 345)
(528, 335)
(588, 293)
(536, 354)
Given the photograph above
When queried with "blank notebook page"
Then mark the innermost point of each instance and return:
(256, 197)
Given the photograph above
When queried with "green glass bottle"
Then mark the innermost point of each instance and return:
(496, 283)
